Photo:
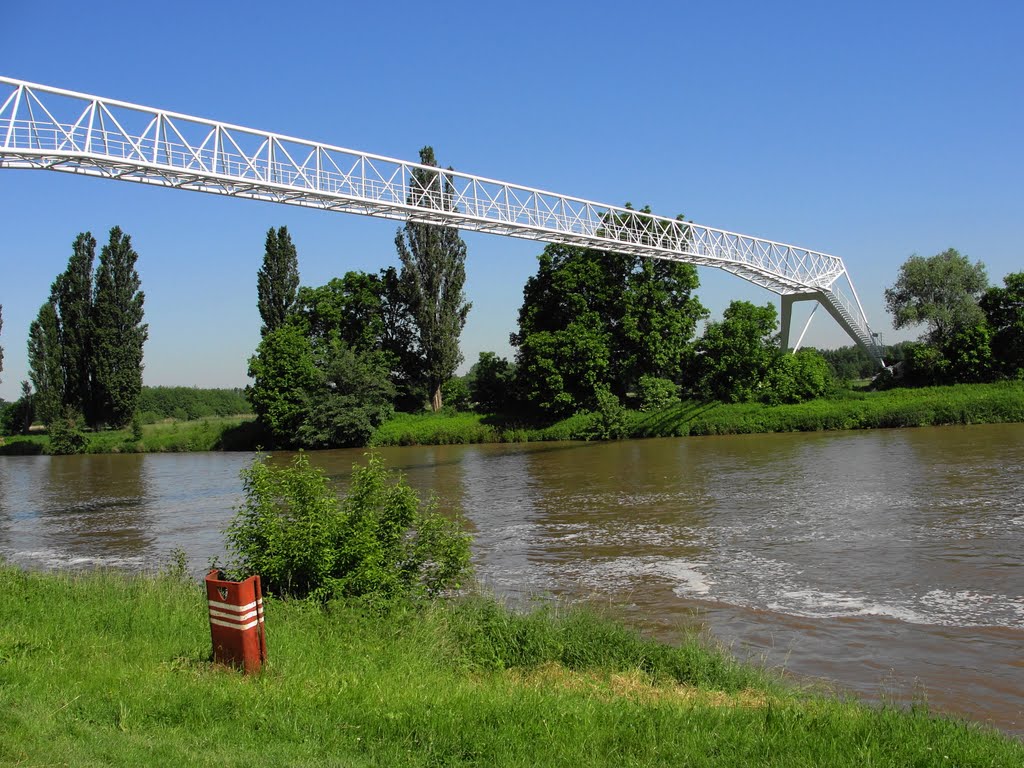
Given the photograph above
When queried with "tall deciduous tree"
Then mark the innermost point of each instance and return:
(736, 357)
(433, 274)
(940, 292)
(71, 295)
(1, 330)
(46, 363)
(593, 321)
(277, 281)
(118, 333)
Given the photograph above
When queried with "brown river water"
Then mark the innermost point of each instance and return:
(889, 562)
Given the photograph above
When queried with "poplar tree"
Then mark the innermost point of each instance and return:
(118, 333)
(46, 365)
(71, 295)
(277, 282)
(433, 274)
(1, 331)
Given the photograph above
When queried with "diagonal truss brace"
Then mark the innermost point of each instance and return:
(50, 128)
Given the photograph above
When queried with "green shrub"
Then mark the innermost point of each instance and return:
(491, 636)
(455, 394)
(379, 543)
(66, 435)
(609, 419)
(657, 394)
(136, 426)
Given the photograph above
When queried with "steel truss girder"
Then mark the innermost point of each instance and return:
(55, 129)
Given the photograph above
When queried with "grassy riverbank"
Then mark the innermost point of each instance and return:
(215, 433)
(106, 669)
(931, 406)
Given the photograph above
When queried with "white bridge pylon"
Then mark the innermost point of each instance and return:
(54, 129)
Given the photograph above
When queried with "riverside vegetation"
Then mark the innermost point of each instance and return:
(1001, 402)
(106, 668)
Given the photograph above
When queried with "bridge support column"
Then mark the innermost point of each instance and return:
(786, 320)
(786, 327)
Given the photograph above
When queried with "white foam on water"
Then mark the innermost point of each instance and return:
(51, 558)
(685, 576)
(968, 608)
(688, 574)
(814, 603)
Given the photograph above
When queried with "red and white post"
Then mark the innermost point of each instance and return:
(236, 621)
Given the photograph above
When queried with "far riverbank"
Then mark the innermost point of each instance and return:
(962, 404)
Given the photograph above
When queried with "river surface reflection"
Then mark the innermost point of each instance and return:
(887, 561)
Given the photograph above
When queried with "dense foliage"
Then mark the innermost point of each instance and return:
(735, 357)
(16, 417)
(940, 292)
(490, 383)
(46, 363)
(973, 332)
(379, 543)
(1004, 313)
(71, 295)
(322, 379)
(593, 321)
(118, 334)
(343, 355)
(852, 363)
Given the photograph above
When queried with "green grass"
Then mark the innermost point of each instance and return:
(106, 669)
(435, 429)
(216, 433)
(931, 406)
(960, 404)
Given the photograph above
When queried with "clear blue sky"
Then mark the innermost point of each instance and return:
(869, 130)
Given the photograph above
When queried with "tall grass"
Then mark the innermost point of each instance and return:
(107, 669)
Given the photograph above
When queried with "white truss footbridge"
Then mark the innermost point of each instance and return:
(59, 130)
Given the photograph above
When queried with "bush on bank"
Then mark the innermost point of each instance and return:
(380, 543)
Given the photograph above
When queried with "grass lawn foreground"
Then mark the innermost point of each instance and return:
(102, 668)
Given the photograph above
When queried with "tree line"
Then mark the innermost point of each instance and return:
(85, 346)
